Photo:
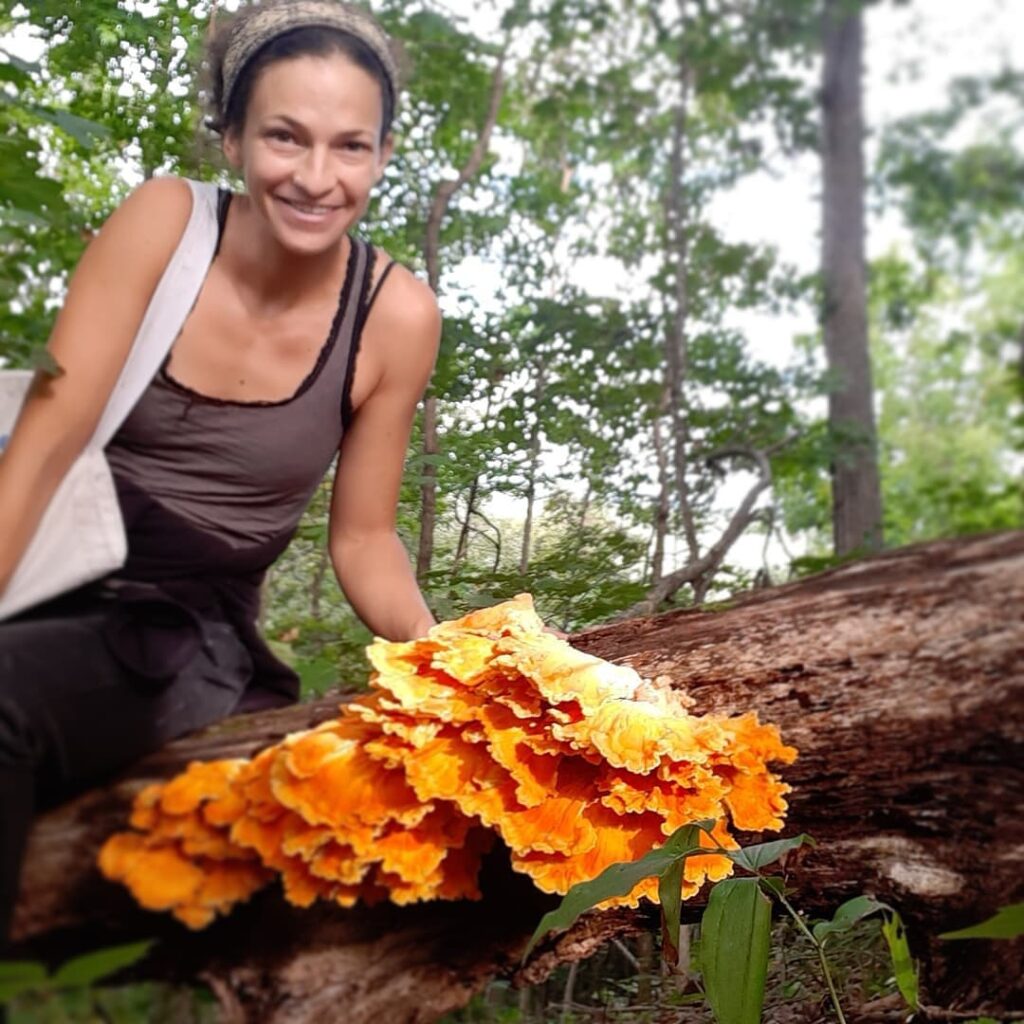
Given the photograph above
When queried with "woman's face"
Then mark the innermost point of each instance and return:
(310, 149)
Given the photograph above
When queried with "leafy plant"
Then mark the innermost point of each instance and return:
(736, 925)
(21, 977)
(1006, 923)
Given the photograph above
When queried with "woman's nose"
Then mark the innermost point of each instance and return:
(313, 173)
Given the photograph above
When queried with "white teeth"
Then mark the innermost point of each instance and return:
(312, 210)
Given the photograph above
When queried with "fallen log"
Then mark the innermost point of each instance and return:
(900, 679)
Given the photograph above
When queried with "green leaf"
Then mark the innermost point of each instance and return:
(848, 915)
(753, 858)
(773, 885)
(618, 880)
(11, 73)
(670, 896)
(902, 963)
(92, 967)
(79, 128)
(316, 675)
(735, 938)
(18, 976)
(1006, 923)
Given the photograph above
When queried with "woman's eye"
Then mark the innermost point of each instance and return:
(280, 135)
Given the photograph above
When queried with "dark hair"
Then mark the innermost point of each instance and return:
(308, 41)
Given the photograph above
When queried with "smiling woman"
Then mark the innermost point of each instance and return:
(304, 342)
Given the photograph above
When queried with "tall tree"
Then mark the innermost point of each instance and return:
(856, 492)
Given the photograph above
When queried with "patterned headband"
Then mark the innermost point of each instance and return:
(276, 18)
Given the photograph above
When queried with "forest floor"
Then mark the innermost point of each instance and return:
(622, 983)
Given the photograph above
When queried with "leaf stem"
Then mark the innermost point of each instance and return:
(822, 959)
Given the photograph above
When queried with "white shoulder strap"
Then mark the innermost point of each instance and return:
(172, 301)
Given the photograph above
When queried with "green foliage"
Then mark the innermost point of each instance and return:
(620, 880)
(846, 916)
(902, 962)
(753, 858)
(1006, 923)
(735, 939)
(736, 925)
(21, 977)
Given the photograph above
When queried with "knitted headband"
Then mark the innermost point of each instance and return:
(275, 19)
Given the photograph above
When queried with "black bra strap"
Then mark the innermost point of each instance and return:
(224, 197)
(377, 287)
(363, 298)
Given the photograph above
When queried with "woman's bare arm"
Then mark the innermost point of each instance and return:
(106, 301)
(370, 561)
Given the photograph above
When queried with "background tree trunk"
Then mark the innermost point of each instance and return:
(443, 196)
(900, 679)
(856, 493)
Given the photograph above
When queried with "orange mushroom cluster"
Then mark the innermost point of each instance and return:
(487, 728)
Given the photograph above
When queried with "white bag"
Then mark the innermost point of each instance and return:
(81, 535)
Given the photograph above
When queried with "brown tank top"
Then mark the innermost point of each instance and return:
(212, 490)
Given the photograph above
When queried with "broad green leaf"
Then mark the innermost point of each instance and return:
(753, 858)
(902, 963)
(735, 939)
(848, 915)
(616, 880)
(18, 976)
(670, 896)
(92, 967)
(1006, 923)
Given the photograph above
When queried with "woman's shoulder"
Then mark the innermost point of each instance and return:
(404, 299)
(140, 236)
(404, 325)
(161, 206)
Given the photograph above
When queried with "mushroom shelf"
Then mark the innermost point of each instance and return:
(488, 729)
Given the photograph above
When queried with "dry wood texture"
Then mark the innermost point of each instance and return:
(901, 680)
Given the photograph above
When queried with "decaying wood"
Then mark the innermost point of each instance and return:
(901, 680)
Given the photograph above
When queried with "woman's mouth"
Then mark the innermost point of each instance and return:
(312, 213)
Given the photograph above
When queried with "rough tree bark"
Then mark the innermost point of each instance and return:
(901, 680)
(856, 493)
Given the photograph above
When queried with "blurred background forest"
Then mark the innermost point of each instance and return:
(638, 217)
(620, 204)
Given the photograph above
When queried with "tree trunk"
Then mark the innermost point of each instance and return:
(531, 472)
(316, 584)
(428, 489)
(432, 256)
(677, 355)
(899, 678)
(462, 548)
(662, 508)
(856, 493)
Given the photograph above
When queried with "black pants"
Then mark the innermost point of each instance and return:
(72, 711)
